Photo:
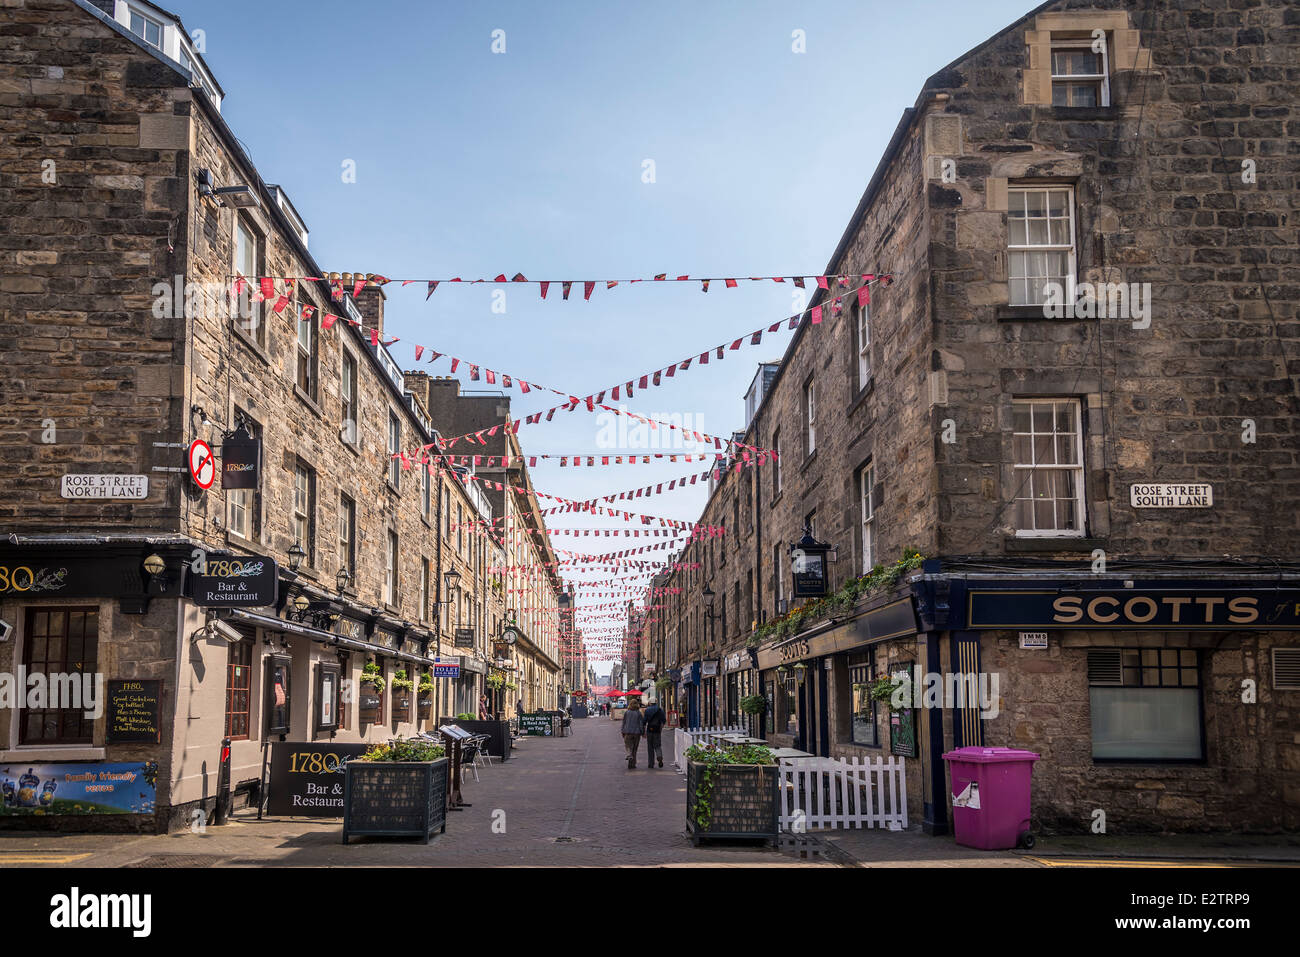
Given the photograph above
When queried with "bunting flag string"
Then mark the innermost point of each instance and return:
(360, 281)
(657, 377)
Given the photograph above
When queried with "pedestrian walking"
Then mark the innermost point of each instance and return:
(633, 727)
(655, 719)
(482, 707)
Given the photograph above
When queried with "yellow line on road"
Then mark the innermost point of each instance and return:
(36, 857)
(1113, 862)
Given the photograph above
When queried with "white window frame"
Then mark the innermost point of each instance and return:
(1022, 480)
(1018, 190)
(302, 510)
(866, 479)
(305, 351)
(252, 325)
(390, 570)
(347, 533)
(776, 449)
(424, 589)
(133, 12)
(810, 405)
(864, 345)
(350, 377)
(394, 446)
(238, 510)
(426, 486)
(1103, 77)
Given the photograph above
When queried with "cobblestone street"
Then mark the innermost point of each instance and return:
(566, 802)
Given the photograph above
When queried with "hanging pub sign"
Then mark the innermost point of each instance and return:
(464, 638)
(235, 580)
(808, 562)
(241, 459)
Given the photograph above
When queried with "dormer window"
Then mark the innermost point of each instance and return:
(1080, 73)
(147, 29)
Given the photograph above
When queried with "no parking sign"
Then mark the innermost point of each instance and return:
(203, 467)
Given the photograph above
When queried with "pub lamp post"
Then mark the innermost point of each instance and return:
(154, 564)
(296, 555)
(342, 579)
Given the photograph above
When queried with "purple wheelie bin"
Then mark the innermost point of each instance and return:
(990, 796)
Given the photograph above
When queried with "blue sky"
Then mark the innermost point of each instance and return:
(473, 163)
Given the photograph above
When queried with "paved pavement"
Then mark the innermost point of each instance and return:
(572, 802)
(558, 801)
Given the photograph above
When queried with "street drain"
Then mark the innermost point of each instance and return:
(802, 847)
(177, 860)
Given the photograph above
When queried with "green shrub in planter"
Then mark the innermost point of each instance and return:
(731, 792)
(398, 789)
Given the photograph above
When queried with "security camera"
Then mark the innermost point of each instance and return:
(222, 630)
(6, 630)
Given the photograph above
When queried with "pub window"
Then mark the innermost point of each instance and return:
(60, 642)
(248, 266)
(394, 447)
(348, 536)
(790, 704)
(866, 479)
(1146, 704)
(390, 570)
(1040, 243)
(864, 729)
(345, 668)
(348, 392)
(307, 357)
(328, 695)
(304, 509)
(239, 684)
(1080, 73)
(277, 695)
(1048, 451)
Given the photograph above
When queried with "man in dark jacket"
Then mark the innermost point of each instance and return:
(655, 719)
(633, 727)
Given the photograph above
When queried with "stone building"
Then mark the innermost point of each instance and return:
(1104, 492)
(288, 582)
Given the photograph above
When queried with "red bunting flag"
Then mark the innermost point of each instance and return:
(328, 321)
(587, 287)
(357, 287)
(821, 283)
(731, 283)
(565, 287)
(545, 286)
(432, 286)
(268, 287)
(864, 295)
(374, 338)
(491, 376)
(816, 314)
(454, 362)
(419, 351)
(798, 281)
(704, 285)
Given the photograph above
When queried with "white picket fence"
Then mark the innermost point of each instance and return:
(685, 737)
(842, 793)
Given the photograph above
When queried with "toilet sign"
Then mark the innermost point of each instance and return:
(203, 467)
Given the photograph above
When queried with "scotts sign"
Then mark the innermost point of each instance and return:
(1217, 608)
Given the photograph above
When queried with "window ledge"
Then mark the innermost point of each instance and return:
(234, 538)
(257, 348)
(53, 752)
(1052, 544)
(1006, 313)
(861, 397)
(1085, 112)
(808, 460)
(308, 401)
(776, 498)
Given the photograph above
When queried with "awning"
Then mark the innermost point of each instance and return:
(315, 634)
(893, 620)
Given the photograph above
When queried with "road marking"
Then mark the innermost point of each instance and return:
(38, 857)
(1136, 862)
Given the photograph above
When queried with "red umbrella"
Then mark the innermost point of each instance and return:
(630, 692)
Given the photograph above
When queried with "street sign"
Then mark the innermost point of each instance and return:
(203, 467)
(104, 486)
(1171, 495)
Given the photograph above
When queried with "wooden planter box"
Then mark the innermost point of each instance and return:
(744, 802)
(395, 798)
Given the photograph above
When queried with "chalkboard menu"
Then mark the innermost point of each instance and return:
(536, 724)
(134, 711)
